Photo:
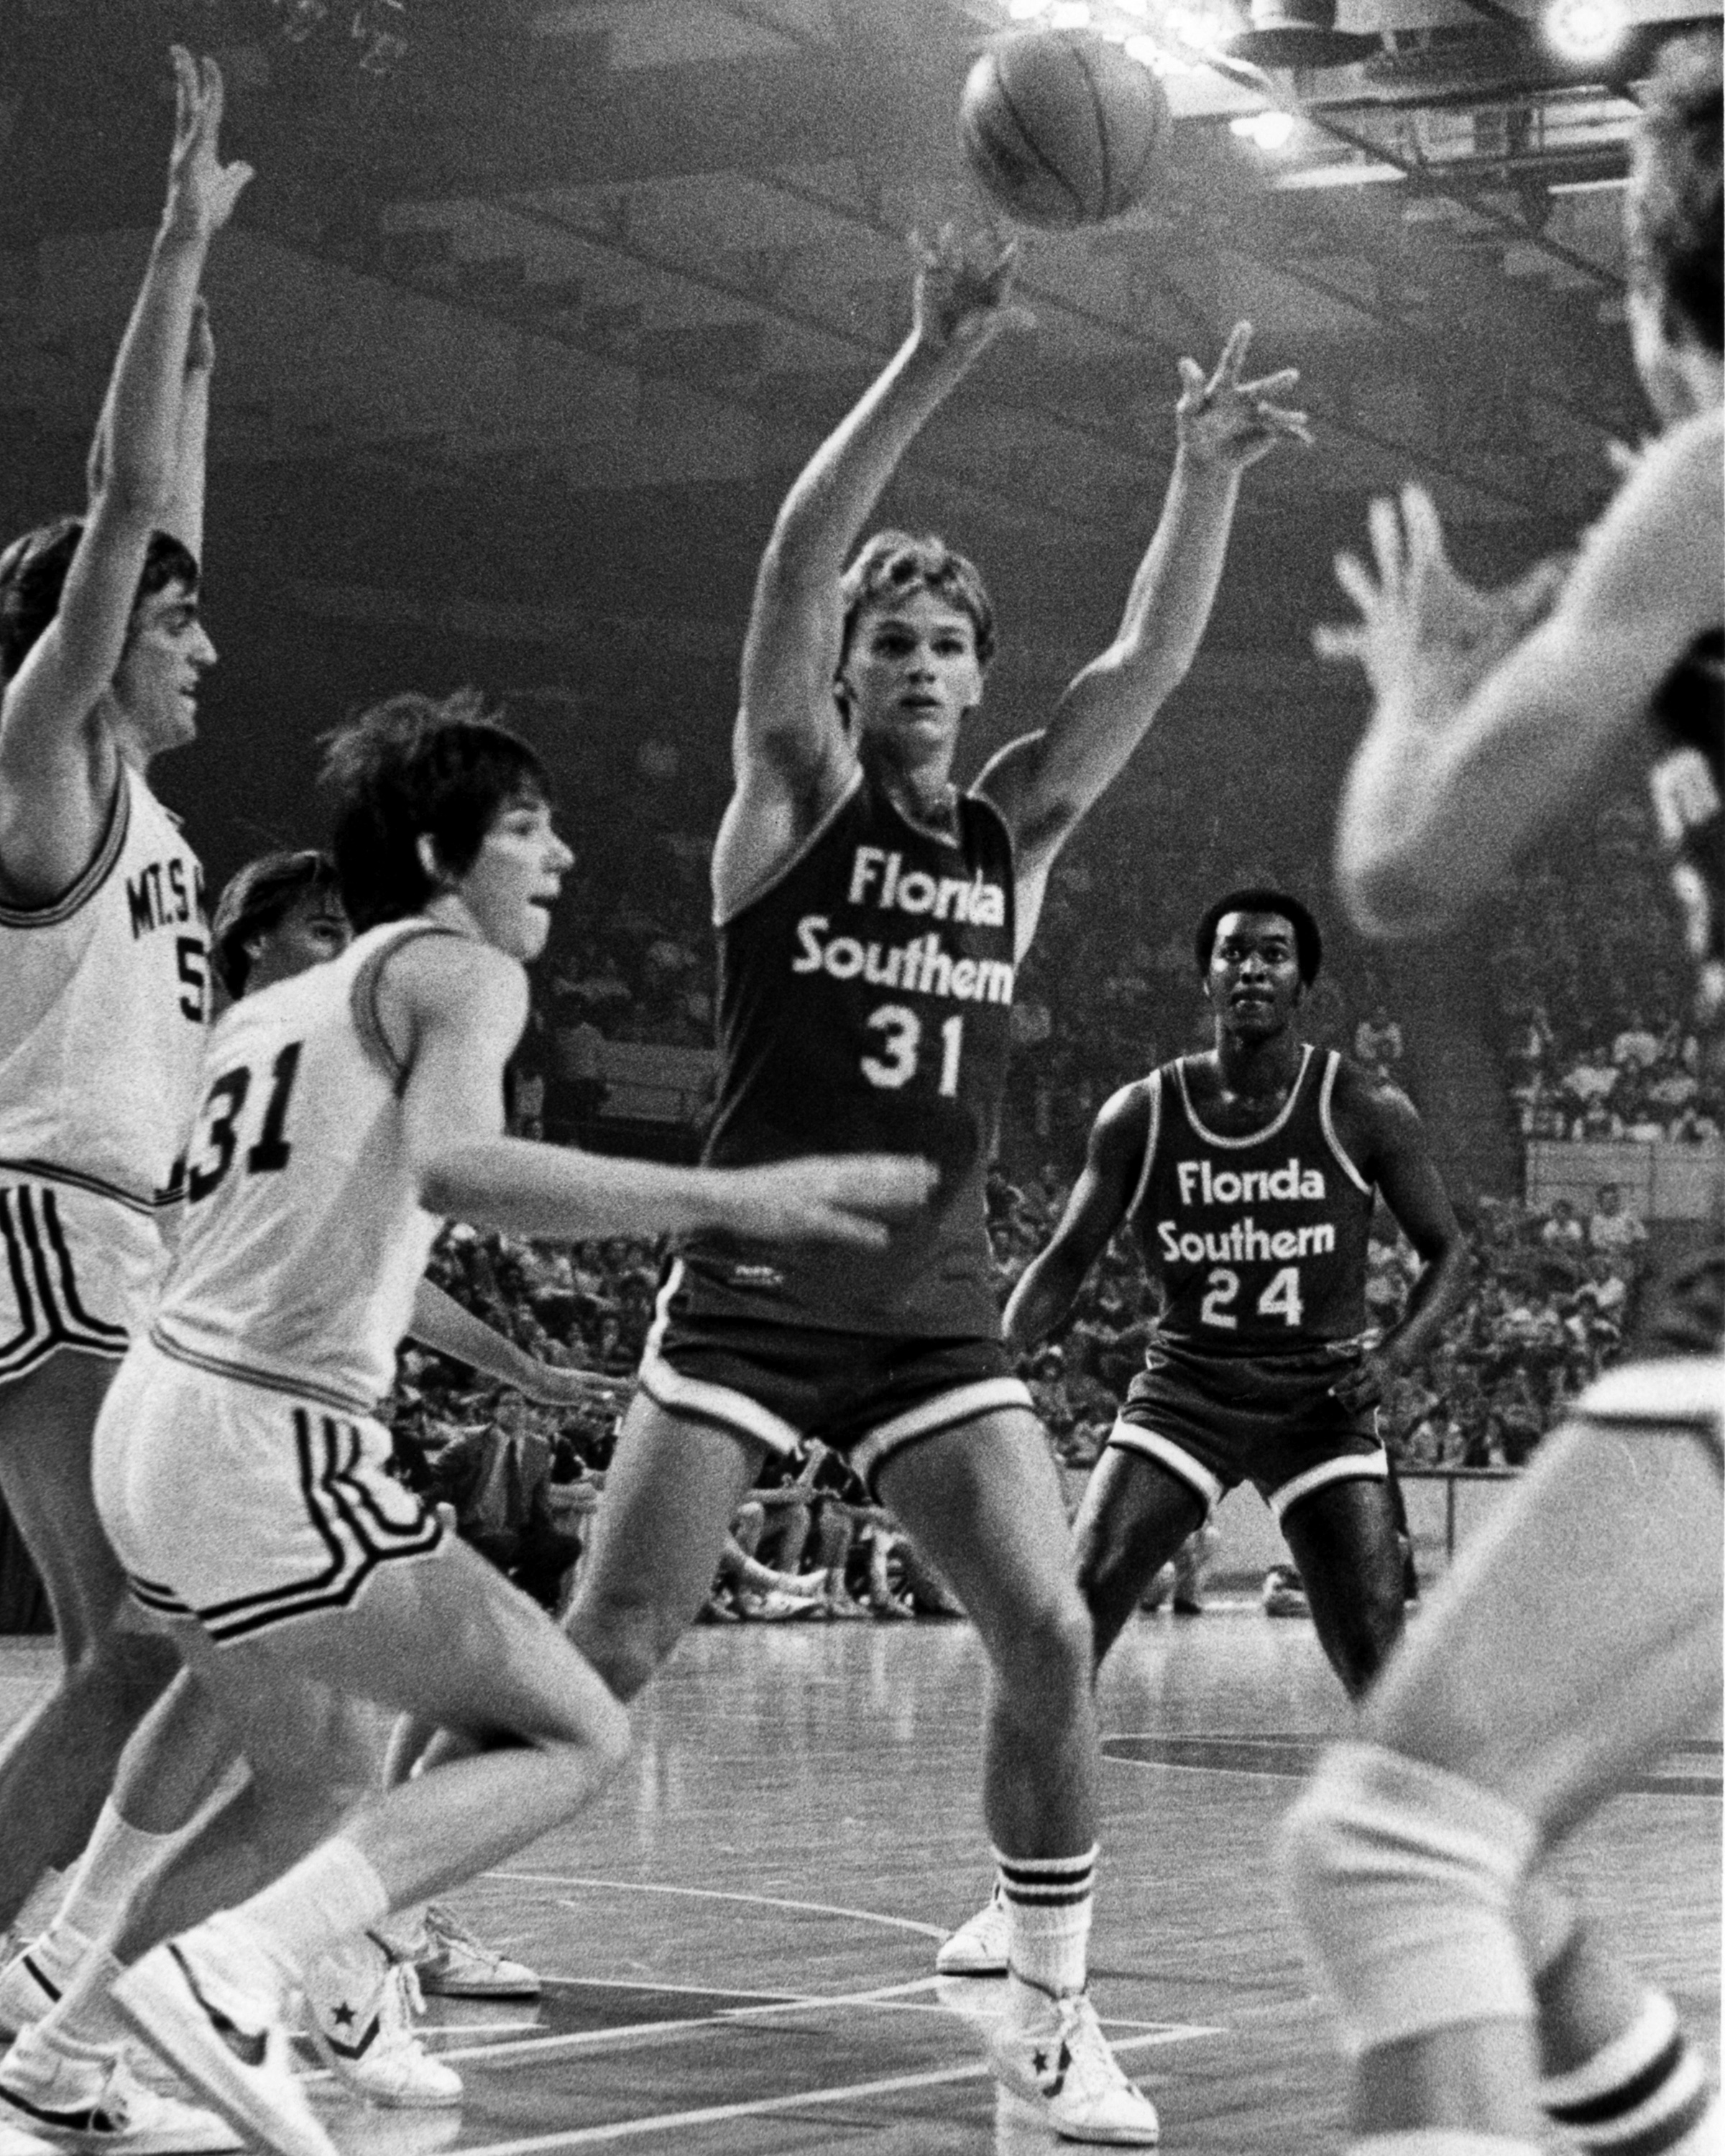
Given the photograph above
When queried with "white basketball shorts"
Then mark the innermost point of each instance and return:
(241, 1505)
(77, 1270)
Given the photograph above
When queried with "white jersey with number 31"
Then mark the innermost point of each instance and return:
(304, 1239)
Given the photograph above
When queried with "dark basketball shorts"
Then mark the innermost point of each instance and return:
(244, 1505)
(1674, 1366)
(1272, 1421)
(864, 1395)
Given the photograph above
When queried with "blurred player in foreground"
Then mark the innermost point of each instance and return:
(1578, 1633)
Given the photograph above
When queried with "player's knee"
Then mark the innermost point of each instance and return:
(1403, 1878)
(625, 1637)
(1047, 1653)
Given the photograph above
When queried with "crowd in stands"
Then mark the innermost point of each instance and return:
(1545, 1312)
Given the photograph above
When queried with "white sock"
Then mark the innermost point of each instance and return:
(82, 2013)
(1048, 1901)
(326, 1896)
(117, 1859)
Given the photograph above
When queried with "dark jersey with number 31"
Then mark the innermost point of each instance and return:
(865, 1006)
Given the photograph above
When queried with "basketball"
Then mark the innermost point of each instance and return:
(1061, 127)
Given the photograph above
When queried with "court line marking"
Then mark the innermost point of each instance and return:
(718, 1894)
(771, 2002)
(629, 2129)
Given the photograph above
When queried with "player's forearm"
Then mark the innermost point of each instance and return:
(138, 436)
(557, 1191)
(1043, 1297)
(183, 516)
(441, 1323)
(824, 514)
(1168, 606)
(1432, 1301)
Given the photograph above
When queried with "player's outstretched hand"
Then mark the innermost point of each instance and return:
(553, 1386)
(1228, 422)
(202, 191)
(964, 293)
(852, 1198)
(1427, 637)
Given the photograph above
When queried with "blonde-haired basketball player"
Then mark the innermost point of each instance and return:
(871, 914)
(1578, 1635)
(239, 1469)
(103, 953)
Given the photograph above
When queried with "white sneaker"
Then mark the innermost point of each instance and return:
(451, 1963)
(74, 2096)
(1057, 2061)
(360, 2004)
(978, 1945)
(212, 2009)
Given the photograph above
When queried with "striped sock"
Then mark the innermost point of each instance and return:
(1645, 2094)
(1048, 1910)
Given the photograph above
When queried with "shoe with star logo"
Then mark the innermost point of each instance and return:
(1050, 2054)
(360, 2001)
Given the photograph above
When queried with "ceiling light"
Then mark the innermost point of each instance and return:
(1198, 27)
(1271, 130)
(1585, 29)
(1022, 11)
(1071, 14)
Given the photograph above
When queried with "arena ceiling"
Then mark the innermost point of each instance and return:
(537, 305)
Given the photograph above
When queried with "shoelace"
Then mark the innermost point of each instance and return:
(1092, 2056)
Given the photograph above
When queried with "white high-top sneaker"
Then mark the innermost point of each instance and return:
(359, 2005)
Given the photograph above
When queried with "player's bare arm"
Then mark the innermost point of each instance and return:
(453, 1010)
(450, 1328)
(1386, 1139)
(1044, 783)
(791, 754)
(1465, 764)
(1113, 1160)
(57, 769)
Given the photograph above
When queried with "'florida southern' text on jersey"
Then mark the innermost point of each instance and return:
(865, 1006)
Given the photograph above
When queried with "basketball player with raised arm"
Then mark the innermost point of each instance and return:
(1249, 1175)
(238, 1471)
(1578, 1633)
(103, 950)
(870, 914)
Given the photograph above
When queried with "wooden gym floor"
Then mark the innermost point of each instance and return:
(737, 1940)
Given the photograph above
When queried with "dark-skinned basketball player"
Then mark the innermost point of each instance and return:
(1250, 1174)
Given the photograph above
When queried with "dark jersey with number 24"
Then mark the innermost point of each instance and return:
(865, 1006)
(1260, 1241)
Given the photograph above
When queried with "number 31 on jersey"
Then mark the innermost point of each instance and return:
(901, 1049)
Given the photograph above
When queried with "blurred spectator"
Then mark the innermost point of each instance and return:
(1612, 1227)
